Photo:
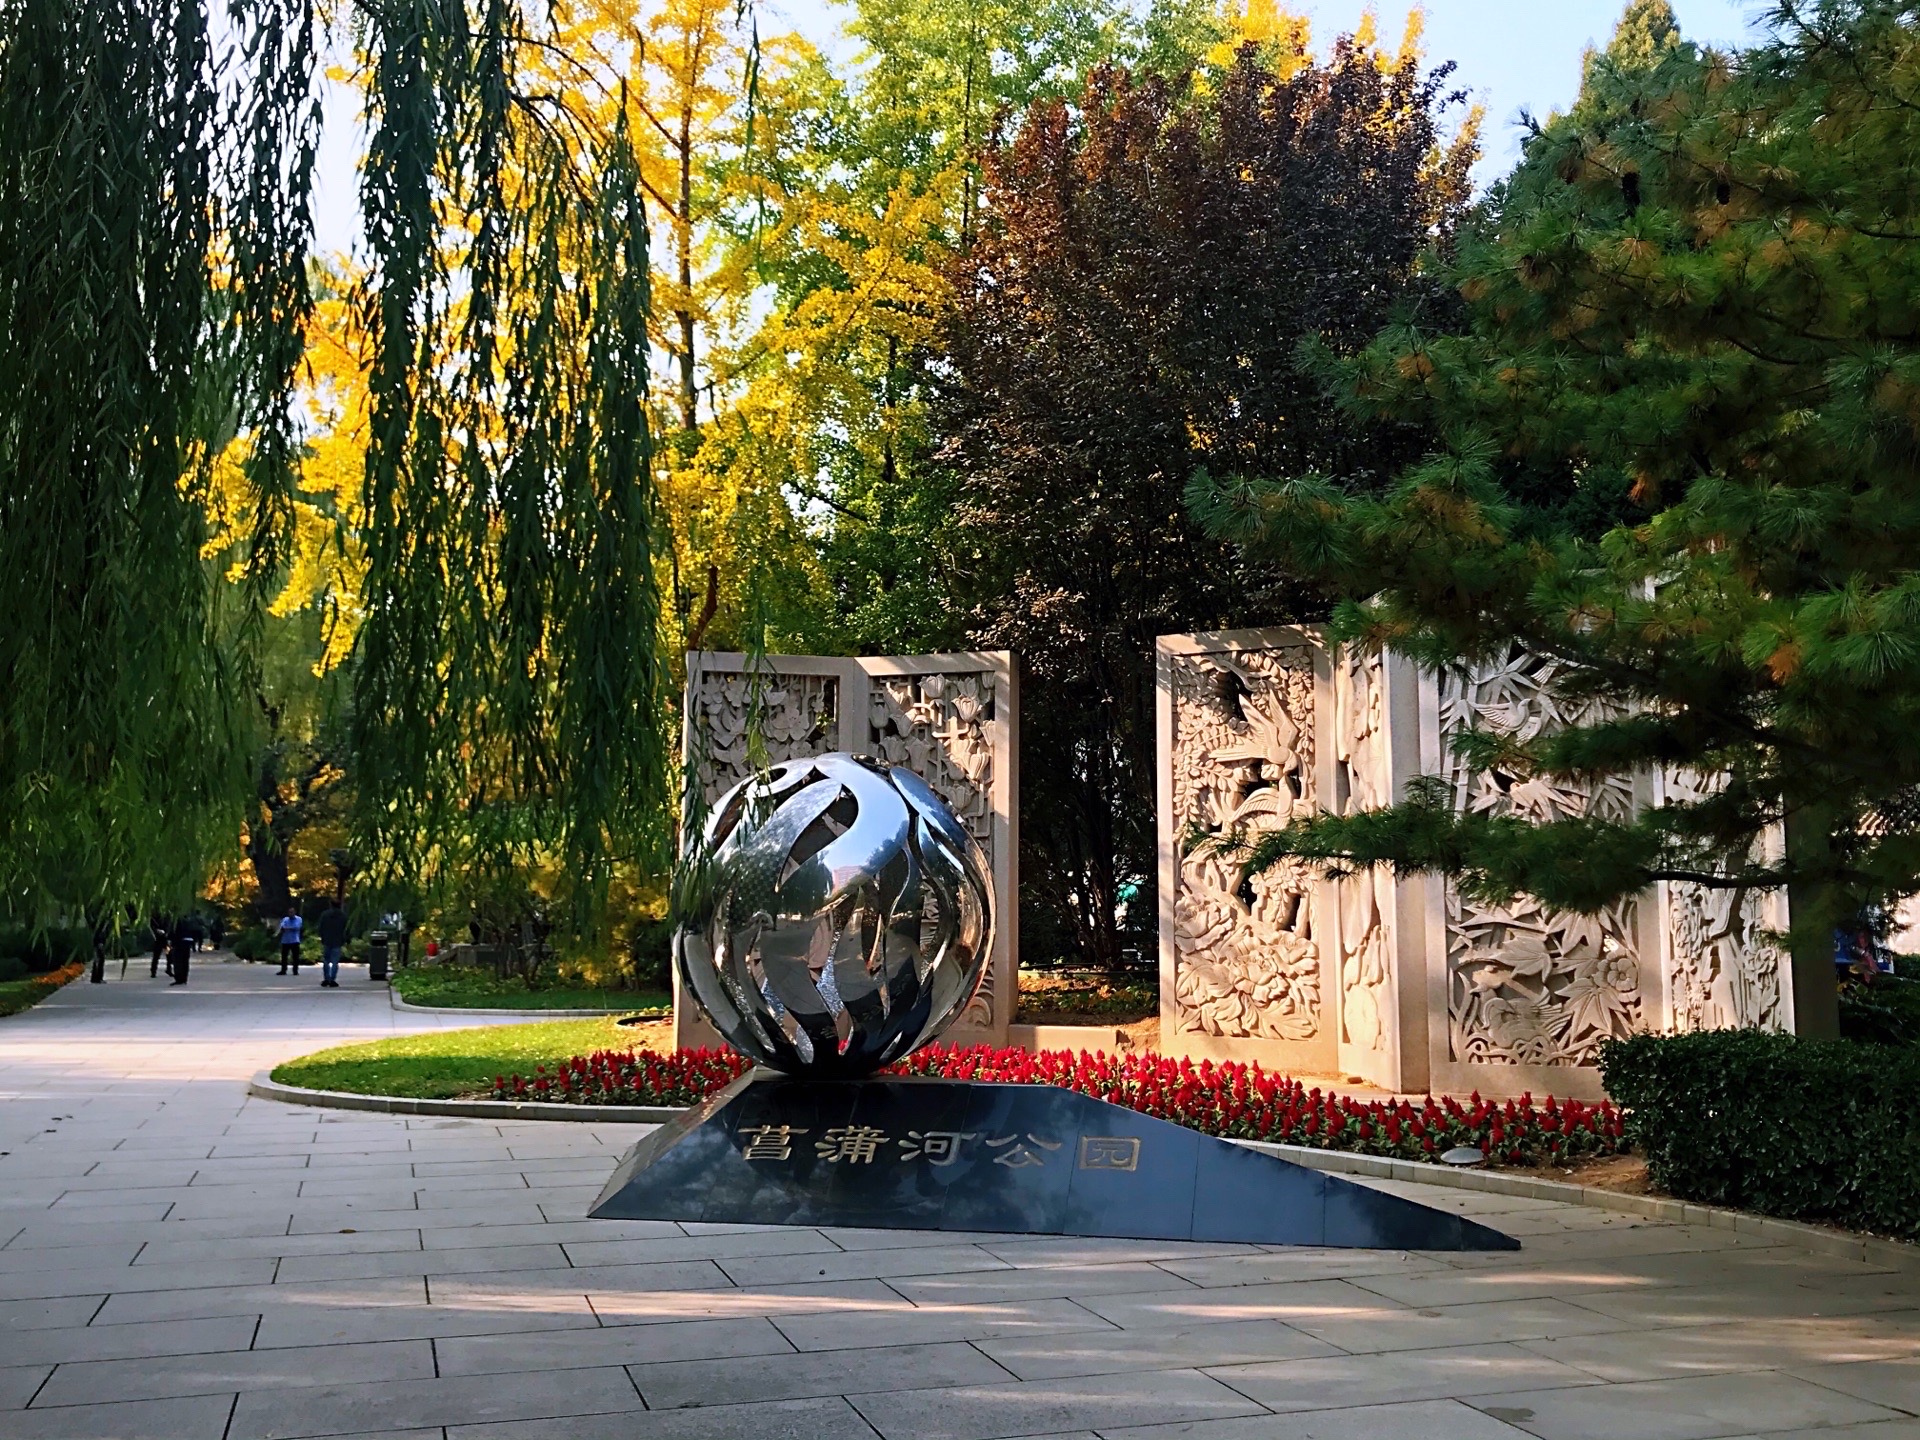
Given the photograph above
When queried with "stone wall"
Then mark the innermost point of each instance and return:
(1409, 984)
(951, 719)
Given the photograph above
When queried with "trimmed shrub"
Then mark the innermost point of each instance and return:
(1886, 1012)
(1803, 1129)
(254, 943)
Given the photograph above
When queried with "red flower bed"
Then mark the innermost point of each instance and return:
(627, 1077)
(1216, 1097)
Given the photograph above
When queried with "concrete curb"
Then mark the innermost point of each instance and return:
(393, 998)
(265, 1087)
(1839, 1244)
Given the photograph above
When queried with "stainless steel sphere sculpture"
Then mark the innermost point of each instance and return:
(833, 916)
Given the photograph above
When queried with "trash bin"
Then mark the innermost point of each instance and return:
(377, 955)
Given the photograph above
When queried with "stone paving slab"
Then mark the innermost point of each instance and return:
(178, 1259)
(707, 1340)
(807, 1375)
(1037, 1407)
(1054, 1356)
(1703, 1407)
(789, 1420)
(292, 1414)
(1338, 1380)
(236, 1370)
(1426, 1419)
(194, 1418)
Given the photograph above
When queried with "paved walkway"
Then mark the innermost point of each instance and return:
(177, 1260)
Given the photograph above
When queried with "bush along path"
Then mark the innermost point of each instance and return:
(460, 987)
(1238, 1101)
(1821, 1130)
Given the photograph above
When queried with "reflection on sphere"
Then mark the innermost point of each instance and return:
(833, 916)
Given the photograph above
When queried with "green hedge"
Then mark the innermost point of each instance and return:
(42, 949)
(1886, 1012)
(1805, 1129)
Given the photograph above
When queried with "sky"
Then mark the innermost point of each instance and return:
(1512, 56)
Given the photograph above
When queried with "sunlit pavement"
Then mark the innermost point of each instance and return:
(182, 1261)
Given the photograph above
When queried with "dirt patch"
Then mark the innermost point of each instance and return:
(648, 1034)
(1622, 1174)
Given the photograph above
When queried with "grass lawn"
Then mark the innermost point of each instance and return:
(18, 995)
(463, 987)
(441, 1064)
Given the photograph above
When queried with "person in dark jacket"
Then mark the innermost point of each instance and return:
(180, 948)
(160, 929)
(333, 940)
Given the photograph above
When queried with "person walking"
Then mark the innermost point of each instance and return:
(180, 948)
(333, 939)
(102, 937)
(158, 926)
(290, 927)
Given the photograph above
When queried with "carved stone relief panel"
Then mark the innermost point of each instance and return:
(1526, 985)
(1239, 742)
(942, 724)
(1723, 966)
(1364, 781)
(799, 716)
(937, 726)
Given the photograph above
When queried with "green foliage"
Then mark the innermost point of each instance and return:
(650, 954)
(1693, 306)
(464, 987)
(871, 181)
(1646, 35)
(255, 943)
(507, 684)
(441, 1064)
(154, 227)
(1805, 1129)
(45, 947)
(1885, 1011)
(1134, 308)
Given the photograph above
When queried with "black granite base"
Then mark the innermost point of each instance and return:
(915, 1154)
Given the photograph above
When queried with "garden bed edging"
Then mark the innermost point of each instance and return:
(393, 998)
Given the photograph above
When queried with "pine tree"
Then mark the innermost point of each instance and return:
(1694, 325)
(1646, 35)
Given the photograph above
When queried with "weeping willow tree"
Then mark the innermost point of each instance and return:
(153, 237)
(507, 677)
(155, 227)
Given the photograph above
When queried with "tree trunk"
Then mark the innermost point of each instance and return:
(689, 395)
(266, 847)
(1817, 909)
(272, 892)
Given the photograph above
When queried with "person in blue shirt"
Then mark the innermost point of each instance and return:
(290, 928)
